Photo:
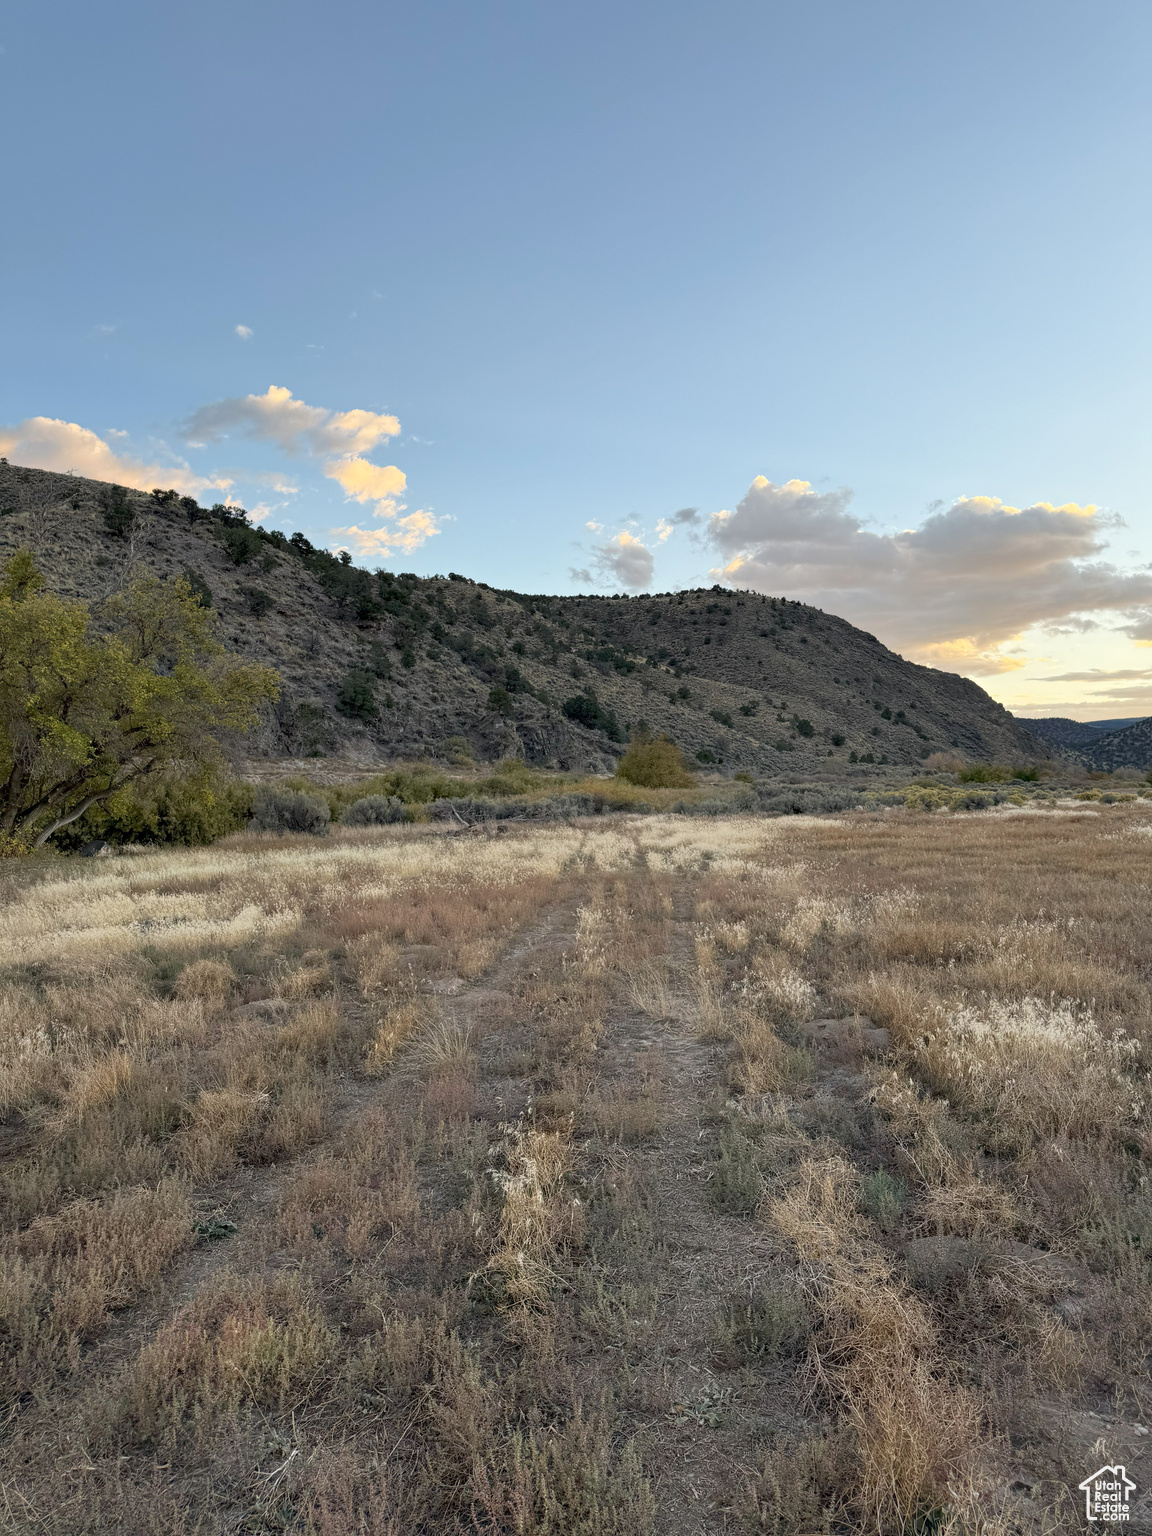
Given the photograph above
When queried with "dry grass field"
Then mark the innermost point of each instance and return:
(652, 1178)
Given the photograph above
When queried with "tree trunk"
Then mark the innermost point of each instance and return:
(12, 795)
(71, 816)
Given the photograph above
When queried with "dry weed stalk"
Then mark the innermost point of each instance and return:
(537, 1218)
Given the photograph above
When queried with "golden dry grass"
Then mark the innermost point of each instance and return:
(491, 1116)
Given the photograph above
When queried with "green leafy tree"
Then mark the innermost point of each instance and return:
(84, 716)
(240, 542)
(656, 763)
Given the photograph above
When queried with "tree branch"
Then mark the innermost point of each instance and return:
(72, 815)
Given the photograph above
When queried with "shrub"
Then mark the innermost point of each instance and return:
(883, 1198)
(374, 811)
(736, 1184)
(500, 701)
(564, 806)
(288, 810)
(803, 727)
(944, 762)
(586, 710)
(984, 773)
(199, 587)
(721, 716)
(119, 515)
(771, 1322)
(457, 749)
(812, 801)
(704, 756)
(356, 696)
(257, 599)
(974, 800)
(471, 809)
(190, 809)
(655, 763)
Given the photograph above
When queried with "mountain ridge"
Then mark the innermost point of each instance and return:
(1104, 745)
(380, 666)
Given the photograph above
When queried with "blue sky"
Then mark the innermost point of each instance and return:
(599, 264)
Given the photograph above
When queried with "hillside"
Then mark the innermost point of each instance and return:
(1070, 735)
(1129, 748)
(380, 666)
(1104, 744)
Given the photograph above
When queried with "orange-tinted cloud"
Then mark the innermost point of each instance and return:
(405, 533)
(364, 481)
(44, 442)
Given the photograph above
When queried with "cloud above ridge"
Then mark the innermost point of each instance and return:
(405, 534)
(624, 560)
(46, 442)
(341, 439)
(950, 592)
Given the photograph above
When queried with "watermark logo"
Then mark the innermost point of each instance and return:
(1107, 1493)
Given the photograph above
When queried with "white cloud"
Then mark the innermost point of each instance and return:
(952, 591)
(382, 484)
(341, 439)
(405, 533)
(43, 442)
(278, 417)
(595, 527)
(245, 332)
(625, 560)
(686, 517)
